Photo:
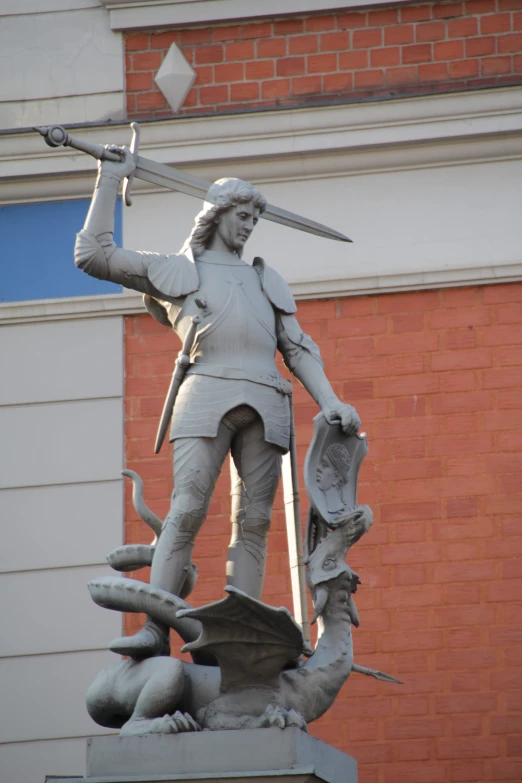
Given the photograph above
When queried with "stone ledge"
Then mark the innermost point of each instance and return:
(274, 776)
(140, 14)
(262, 755)
(118, 305)
(274, 145)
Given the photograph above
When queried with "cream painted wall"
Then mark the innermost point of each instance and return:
(426, 187)
(61, 63)
(420, 223)
(61, 510)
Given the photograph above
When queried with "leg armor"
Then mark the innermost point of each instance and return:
(197, 463)
(255, 471)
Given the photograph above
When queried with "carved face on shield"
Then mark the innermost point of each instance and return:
(332, 475)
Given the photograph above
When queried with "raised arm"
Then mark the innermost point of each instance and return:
(95, 251)
(301, 356)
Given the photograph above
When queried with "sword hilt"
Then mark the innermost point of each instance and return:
(57, 136)
(188, 342)
(134, 145)
(180, 368)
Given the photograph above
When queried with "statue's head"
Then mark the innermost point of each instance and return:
(230, 211)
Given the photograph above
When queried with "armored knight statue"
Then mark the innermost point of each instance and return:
(232, 399)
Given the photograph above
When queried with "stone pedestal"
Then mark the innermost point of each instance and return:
(256, 756)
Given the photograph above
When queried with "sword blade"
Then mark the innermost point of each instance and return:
(285, 218)
(169, 177)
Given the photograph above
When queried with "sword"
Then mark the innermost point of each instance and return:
(180, 370)
(169, 177)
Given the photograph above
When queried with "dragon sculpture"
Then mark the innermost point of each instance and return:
(251, 666)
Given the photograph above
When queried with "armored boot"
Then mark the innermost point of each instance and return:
(246, 558)
(172, 570)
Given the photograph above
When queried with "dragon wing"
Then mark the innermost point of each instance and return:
(252, 642)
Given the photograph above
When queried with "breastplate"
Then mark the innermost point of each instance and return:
(237, 329)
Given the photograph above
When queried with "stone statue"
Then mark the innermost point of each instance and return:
(232, 399)
(264, 677)
(252, 664)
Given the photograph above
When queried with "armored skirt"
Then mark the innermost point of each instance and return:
(203, 401)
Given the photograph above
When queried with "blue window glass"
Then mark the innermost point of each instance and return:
(36, 251)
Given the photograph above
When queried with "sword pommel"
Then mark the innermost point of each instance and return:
(54, 135)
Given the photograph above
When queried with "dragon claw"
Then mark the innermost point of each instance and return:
(278, 717)
(169, 724)
(294, 718)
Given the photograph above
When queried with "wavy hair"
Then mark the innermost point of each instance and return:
(222, 194)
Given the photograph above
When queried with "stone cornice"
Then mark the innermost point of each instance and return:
(282, 145)
(143, 14)
(111, 305)
(68, 308)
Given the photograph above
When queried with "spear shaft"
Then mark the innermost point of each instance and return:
(374, 673)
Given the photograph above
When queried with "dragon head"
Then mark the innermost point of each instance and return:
(330, 579)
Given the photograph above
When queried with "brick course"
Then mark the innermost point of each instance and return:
(408, 50)
(441, 599)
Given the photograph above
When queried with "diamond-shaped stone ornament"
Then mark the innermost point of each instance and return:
(175, 77)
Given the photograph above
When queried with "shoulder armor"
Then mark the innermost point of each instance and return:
(174, 276)
(89, 255)
(275, 287)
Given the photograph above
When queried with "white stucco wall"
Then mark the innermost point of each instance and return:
(60, 63)
(425, 187)
(61, 511)
(444, 222)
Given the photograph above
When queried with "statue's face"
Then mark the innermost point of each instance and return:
(236, 224)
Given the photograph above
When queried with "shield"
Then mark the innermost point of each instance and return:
(331, 468)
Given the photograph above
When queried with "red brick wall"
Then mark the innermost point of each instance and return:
(410, 49)
(436, 376)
